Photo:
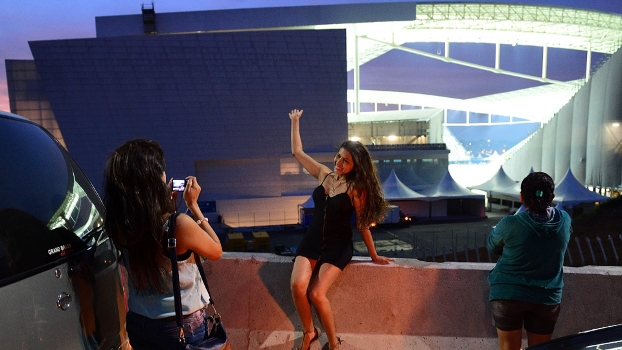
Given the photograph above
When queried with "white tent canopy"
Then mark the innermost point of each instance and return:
(499, 181)
(511, 191)
(449, 188)
(448, 198)
(573, 197)
(570, 191)
(393, 188)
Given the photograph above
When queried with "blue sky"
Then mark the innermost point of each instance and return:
(23, 21)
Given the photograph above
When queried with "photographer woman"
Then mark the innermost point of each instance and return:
(327, 247)
(138, 204)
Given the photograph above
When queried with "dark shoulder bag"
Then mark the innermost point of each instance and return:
(215, 336)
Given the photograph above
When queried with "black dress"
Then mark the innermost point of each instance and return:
(329, 237)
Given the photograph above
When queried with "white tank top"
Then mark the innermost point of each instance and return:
(194, 296)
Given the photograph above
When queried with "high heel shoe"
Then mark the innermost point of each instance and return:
(315, 337)
(337, 346)
(334, 347)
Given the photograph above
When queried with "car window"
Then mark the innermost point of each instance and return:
(49, 210)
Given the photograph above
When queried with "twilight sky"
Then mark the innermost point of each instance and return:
(23, 21)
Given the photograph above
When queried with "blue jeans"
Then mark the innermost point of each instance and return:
(147, 333)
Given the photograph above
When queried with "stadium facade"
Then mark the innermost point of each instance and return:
(214, 88)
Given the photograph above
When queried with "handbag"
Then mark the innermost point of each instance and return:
(215, 337)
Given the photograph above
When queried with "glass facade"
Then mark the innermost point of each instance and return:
(27, 97)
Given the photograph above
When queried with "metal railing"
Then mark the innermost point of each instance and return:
(469, 247)
(408, 147)
(260, 219)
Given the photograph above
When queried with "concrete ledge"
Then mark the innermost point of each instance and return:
(406, 305)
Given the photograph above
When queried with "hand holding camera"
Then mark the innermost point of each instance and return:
(189, 187)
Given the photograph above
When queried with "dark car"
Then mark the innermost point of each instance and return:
(601, 338)
(60, 286)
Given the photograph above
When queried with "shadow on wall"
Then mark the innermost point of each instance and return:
(276, 283)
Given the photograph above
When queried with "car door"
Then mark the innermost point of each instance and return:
(60, 285)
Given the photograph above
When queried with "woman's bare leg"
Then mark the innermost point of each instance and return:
(510, 340)
(535, 339)
(327, 275)
(299, 284)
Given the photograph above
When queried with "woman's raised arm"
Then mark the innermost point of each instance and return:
(311, 165)
(199, 237)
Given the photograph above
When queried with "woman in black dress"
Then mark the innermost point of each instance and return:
(327, 247)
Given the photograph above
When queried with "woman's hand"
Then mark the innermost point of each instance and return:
(295, 114)
(381, 260)
(173, 193)
(192, 191)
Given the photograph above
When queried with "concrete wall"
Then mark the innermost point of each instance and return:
(406, 305)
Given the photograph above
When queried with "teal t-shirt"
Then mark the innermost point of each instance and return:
(531, 250)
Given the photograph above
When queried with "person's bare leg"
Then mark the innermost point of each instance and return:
(299, 284)
(534, 339)
(510, 340)
(327, 275)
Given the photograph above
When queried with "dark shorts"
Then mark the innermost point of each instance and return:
(510, 315)
(163, 333)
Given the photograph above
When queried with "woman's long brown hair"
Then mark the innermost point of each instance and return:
(137, 203)
(364, 179)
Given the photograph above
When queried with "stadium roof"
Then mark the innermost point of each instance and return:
(375, 32)
(496, 24)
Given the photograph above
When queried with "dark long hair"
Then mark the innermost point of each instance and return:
(364, 179)
(137, 202)
(537, 189)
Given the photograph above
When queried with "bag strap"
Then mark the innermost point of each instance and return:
(172, 246)
(197, 260)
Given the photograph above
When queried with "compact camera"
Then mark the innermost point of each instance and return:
(179, 185)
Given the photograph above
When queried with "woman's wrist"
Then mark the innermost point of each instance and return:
(195, 211)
